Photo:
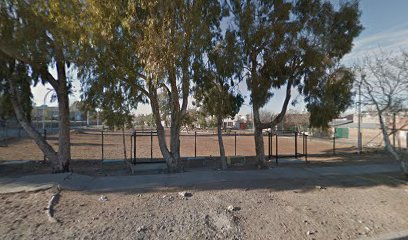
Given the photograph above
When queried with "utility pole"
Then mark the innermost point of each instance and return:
(359, 141)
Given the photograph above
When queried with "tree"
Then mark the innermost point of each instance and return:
(215, 87)
(151, 46)
(384, 86)
(295, 45)
(37, 34)
(266, 116)
(165, 109)
(18, 71)
(114, 98)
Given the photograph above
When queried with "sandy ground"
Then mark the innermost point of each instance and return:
(318, 208)
(86, 153)
(88, 146)
(341, 207)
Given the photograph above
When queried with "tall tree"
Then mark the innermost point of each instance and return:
(384, 86)
(292, 45)
(152, 46)
(215, 88)
(37, 34)
(10, 69)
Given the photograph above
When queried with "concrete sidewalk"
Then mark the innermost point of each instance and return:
(186, 179)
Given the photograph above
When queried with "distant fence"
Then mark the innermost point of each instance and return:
(14, 130)
(97, 144)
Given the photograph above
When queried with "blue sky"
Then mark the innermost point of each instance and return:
(385, 26)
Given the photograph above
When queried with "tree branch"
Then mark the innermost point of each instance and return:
(37, 66)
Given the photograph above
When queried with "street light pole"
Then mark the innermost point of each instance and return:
(43, 107)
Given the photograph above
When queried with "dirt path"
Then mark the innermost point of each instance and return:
(320, 208)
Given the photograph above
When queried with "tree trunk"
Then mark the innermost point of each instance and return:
(124, 143)
(172, 157)
(64, 148)
(388, 147)
(404, 166)
(47, 150)
(259, 144)
(175, 145)
(221, 143)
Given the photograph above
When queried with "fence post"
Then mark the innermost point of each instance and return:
(235, 143)
(393, 129)
(296, 134)
(334, 142)
(269, 145)
(195, 144)
(306, 148)
(131, 148)
(134, 147)
(276, 150)
(151, 144)
(102, 143)
(271, 137)
(45, 139)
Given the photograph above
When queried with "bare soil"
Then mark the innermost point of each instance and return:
(86, 151)
(88, 145)
(321, 208)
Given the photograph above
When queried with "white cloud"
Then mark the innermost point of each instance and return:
(390, 40)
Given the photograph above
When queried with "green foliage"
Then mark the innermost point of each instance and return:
(19, 73)
(294, 43)
(145, 120)
(215, 83)
(39, 33)
(333, 96)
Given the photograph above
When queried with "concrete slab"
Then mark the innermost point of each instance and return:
(186, 179)
(146, 167)
(355, 170)
(113, 161)
(17, 162)
(289, 160)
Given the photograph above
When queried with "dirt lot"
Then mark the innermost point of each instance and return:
(86, 152)
(88, 145)
(320, 208)
(340, 207)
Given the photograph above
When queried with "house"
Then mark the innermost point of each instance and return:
(347, 128)
(238, 122)
(45, 112)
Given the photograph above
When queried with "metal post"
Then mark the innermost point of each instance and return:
(102, 143)
(195, 144)
(296, 134)
(134, 147)
(235, 143)
(131, 148)
(151, 144)
(269, 145)
(276, 150)
(334, 143)
(306, 147)
(45, 139)
(393, 129)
